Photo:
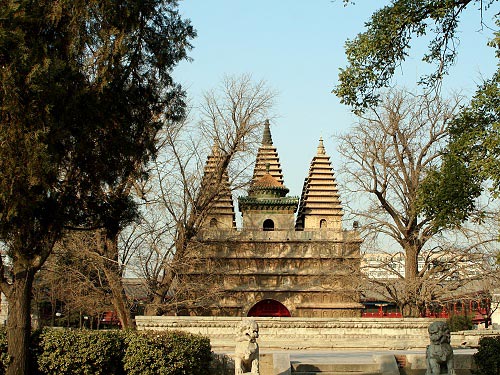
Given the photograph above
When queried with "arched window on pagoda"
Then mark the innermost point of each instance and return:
(268, 225)
(213, 222)
(322, 224)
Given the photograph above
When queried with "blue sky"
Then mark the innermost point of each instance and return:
(297, 47)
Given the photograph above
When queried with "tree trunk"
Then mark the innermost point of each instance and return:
(412, 282)
(19, 323)
(119, 299)
(152, 308)
(113, 273)
(410, 310)
(155, 307)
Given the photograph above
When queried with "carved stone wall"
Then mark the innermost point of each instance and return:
(303, 333)
(312, 274)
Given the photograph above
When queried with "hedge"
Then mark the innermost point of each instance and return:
(67, 352)
(487, 357)
(170, 353)
(86, 352)
(459, 323)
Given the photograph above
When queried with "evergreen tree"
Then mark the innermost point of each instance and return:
(84, 88)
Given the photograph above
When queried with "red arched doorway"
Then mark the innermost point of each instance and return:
(269, 307)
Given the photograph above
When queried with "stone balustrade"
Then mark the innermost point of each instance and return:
(471, 338)
(303, 333)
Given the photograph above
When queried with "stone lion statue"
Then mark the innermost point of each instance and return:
(439, 353)
(246, 358)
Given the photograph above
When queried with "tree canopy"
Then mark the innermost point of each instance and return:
(388, 154)
(450, 190)
(84, 88)
(471, 158)
(374, 54)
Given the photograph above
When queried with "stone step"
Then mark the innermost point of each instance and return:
(335, 368)
(355, 363)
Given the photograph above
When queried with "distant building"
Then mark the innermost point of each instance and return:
(462, 293)
(386, 265)
(274, 265)
(383, 265)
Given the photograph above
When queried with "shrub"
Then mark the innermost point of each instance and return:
(167, 353)
(66, 352)
(4, 357)
(459, 323)
(77, 352)
(222, 364)
(487, 357)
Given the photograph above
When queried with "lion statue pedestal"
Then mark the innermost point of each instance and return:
(246, 356)
(439, 353)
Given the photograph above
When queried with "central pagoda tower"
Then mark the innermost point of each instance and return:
(267, 207)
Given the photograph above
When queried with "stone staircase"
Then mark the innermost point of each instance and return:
(344, 363)
(335, 369)
(376, 365)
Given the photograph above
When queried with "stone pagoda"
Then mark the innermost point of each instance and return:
(222, 213)
(277, 264)
(320, 206)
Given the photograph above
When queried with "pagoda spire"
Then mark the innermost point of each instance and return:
(267, 154)
(320, 205)
(266, 137)
(321, 148)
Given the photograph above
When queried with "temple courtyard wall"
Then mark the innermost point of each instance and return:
(303, 333)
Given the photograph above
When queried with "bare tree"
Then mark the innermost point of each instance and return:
(72, 283)
(388, 155)
(231, 120)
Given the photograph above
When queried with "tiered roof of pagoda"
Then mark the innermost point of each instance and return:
(222, 207)
(267, 192)
(320, 196)
(267, 158)
(267, 188)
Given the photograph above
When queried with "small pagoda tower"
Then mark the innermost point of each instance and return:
(215, 187)
(320, 207)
